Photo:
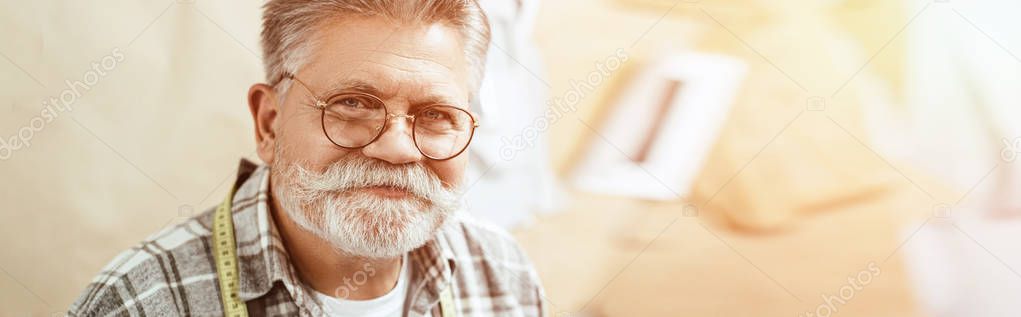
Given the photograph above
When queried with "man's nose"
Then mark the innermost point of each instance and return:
(396, 144)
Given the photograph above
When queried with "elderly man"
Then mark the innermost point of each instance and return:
(363, 128)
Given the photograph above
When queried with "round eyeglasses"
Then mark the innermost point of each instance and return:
(353, 120)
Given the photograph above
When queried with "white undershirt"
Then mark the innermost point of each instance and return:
(390, 304)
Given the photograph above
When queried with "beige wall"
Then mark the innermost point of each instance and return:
(150, 141)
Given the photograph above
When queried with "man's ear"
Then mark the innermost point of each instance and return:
(262, 101)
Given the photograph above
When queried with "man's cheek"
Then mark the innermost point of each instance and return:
(304, 151)
(450, 171)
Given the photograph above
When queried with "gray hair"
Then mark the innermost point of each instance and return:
(286, 25)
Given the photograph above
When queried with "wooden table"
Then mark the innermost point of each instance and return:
(598, 253)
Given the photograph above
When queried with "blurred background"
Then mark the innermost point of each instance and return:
(653, 157)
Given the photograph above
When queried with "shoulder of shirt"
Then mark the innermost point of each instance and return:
(174, 257)
(491, 262)
(471, 239)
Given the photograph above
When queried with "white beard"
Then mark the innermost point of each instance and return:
(332, 205)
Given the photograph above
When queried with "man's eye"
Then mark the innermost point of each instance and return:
(351, 102)
(434, 114)
(355, 103)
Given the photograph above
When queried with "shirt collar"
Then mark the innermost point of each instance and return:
(263, 260)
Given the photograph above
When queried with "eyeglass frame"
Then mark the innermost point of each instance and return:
(321, 105)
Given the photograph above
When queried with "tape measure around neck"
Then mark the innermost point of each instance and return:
(225, 256)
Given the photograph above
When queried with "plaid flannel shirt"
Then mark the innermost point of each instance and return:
(172, 273)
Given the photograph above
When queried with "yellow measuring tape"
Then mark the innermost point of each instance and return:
(225, 256)
(447, 303)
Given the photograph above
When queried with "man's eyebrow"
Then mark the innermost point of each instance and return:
(362, 86)
(429, 100)
(355, 85)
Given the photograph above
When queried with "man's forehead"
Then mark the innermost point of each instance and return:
(381, 39)
(374, 54)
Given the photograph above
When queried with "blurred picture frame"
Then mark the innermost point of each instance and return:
(678, 104)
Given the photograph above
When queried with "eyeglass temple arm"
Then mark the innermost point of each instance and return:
(319, 103)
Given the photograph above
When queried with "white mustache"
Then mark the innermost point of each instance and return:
(361, 172)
